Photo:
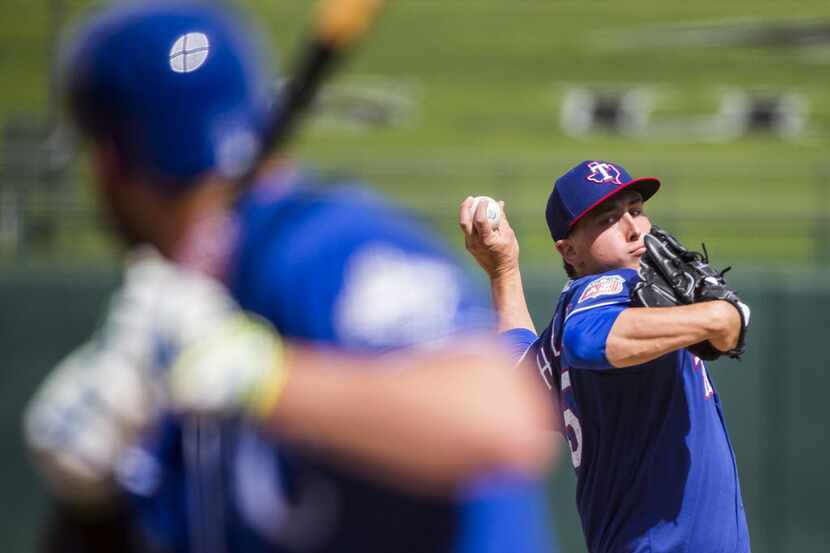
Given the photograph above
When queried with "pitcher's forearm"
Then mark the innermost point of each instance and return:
(509, 301)
(640, 335)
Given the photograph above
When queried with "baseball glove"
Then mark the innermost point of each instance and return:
(673, 275)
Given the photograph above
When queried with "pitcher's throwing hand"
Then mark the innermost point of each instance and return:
(495, 249)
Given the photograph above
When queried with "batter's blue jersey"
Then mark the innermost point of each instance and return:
(655, 470)
(337, 268)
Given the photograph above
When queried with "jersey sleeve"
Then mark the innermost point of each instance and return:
(360, 274)
(594, 306)
(518, 341)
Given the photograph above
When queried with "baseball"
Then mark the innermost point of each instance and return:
(493, 209)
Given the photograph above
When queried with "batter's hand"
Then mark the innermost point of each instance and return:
(496, 250)
(99, 398)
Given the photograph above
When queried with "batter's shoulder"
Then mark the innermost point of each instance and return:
(341, 263)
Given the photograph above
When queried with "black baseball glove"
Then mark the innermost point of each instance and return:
(673, 275)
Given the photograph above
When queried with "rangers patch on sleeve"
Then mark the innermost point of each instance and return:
(604, 286)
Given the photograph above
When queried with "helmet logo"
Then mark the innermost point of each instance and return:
(603, 173)
(189, 52)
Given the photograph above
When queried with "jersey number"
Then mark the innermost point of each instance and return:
(573, 433)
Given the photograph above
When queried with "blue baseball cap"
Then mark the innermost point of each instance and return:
(179, 86)
(586, 186)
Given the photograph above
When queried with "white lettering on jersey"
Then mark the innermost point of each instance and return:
(604, 286)
(391, 298)
(708, 389)
(545, 368)
(556, 352)
(566, 381)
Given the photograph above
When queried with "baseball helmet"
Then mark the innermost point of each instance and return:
(179, 86)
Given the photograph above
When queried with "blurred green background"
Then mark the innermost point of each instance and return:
(467, 97)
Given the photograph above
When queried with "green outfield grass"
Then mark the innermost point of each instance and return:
(485, 79)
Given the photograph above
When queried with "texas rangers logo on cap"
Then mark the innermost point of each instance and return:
(603, 173)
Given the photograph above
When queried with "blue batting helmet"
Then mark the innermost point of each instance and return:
(180, 87)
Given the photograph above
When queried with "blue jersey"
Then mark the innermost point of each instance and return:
(655, 469)
(336, 268)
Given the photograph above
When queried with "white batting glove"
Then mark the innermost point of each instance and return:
(212, 358)
(236, 365)
(95, 401)
(171, 339)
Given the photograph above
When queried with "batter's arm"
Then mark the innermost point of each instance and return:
(497, 252)
(642, 334)
(422, 421)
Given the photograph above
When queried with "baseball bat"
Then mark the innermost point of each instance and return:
(338, 25)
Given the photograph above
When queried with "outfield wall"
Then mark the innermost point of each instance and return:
(774, 399)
